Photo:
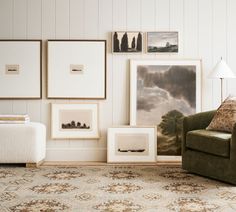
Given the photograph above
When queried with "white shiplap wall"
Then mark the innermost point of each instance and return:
(207, 30)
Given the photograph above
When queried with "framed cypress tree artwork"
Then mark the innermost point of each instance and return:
(127, 42)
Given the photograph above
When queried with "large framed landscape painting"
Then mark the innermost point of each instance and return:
(162, 92)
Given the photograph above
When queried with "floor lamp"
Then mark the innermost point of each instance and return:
(222, 71)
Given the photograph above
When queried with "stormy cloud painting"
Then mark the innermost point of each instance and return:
(165, 94)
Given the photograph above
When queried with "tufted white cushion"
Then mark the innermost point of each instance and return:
(22, 143)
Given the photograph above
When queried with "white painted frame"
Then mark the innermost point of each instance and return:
(89, 54)
(133, 89)
(26, 56)
(152, 148)
(56, 133)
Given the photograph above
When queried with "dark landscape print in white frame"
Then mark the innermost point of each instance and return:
(162, 93)
(162, 42)
(127, 42)
(74, 121)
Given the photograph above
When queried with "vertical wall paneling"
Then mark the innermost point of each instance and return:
(219, 43)
(120, 98)
(105, 109)
(48, 19)
(91, 19)
(162, 15)
(20, 26)
(176, 23)
(34, 19)
(231, 44)
(48, 32)
(62, 19)
(20, 19)
(6, 19)
(77, 19)
(191, 28)
(205, 51)
(6, 26)
(34, 31)
(207, 30)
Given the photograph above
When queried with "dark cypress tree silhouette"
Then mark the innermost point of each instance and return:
(124, 43)
(133, 43)
(139, 42)
(116, 43)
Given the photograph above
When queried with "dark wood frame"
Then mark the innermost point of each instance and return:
(105, 74)
(27, 40)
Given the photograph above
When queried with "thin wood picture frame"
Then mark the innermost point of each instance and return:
(21, 69)
(78, 63)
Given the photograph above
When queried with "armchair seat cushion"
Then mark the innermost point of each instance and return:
(211, 142)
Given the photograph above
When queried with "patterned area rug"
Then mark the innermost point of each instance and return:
(112, 188)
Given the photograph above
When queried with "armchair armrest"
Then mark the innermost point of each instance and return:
(195, 122)
(233, 145)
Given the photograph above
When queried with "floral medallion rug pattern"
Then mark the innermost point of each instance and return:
(112, 189)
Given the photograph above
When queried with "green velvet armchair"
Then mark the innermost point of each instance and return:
(208, 153)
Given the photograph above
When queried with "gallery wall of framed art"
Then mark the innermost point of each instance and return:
(20, 69)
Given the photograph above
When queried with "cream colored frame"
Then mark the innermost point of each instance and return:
(95, 134)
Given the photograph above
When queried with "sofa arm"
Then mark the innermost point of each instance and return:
(195, 122)
(233, 145)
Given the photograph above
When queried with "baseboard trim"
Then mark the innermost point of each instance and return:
(76, 154)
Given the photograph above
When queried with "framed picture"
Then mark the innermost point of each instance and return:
(73, 65)
(131, 144)
(127, 42)
(20, 69)
(162, 42)
(162, 92)
(74, 121)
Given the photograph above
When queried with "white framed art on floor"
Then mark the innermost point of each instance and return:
(74, 121)
(76, 69)
(131, 144)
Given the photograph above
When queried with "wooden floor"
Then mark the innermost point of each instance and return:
(75, 163)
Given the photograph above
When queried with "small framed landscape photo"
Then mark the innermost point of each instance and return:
(74, 121)
(162, 42)
(131, 144)
(127, 42)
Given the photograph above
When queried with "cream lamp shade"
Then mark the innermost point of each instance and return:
(221, 71)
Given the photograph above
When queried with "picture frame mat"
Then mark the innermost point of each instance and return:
(80, 81)
(35, 64)
(55, 107)
(112, 157)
